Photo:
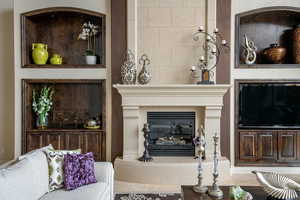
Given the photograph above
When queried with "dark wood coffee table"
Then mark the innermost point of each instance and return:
(189, 194)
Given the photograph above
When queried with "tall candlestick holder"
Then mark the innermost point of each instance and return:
(215, 191)
(146, 155)
(200, 142)
(213, 45)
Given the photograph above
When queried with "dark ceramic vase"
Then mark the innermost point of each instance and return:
(275, 54)
(296, 45)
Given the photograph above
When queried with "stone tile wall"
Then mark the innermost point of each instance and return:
(165, 29)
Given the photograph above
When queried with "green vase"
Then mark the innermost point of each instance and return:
(39, 53)
(42, 122)
(56, 59)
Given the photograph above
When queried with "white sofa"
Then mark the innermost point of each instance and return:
(28, 179)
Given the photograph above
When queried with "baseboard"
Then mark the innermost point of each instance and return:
(3, 161)
(281, 170)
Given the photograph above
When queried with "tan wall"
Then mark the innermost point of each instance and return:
(6, 81)
(165, 29)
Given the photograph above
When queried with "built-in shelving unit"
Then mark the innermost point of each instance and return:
(258, 145)
(266, 26)
(59, 27)
(74, 102)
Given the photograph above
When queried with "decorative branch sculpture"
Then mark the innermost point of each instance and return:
(212, 45)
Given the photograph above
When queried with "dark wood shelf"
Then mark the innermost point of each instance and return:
(63, 130)
(64, 66)
(270, 66)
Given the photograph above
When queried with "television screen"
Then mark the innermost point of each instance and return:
(269, 105)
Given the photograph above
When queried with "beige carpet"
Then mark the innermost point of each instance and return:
(125, 187)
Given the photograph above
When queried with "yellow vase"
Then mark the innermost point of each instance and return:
(56, 59)
(39, 53)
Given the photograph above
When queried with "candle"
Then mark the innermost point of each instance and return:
(224, 42)
(193, 68)
(216, 30)
(201, 28)
(202, 58)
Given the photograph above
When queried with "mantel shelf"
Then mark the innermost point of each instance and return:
(172, 95)
(65, 130)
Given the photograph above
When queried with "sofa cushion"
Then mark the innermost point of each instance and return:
(79, 170)
(19, 182)
(96, 191)
(55, 162)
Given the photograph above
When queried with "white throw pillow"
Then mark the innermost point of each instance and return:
(50, 147)
(55, 162)
(38, 160)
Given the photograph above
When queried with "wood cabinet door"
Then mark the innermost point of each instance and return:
(248, 146)
(92, 143)
(34, 141)
(74, 141)
(56, 139)
(287, 146)
(267, 146)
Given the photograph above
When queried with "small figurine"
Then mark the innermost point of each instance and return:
(249, 51)
(237, 193)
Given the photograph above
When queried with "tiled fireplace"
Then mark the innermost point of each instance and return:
(174, 113)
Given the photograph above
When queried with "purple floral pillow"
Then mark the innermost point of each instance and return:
(78, 170)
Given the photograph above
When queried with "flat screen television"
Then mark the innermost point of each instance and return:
(269, 105)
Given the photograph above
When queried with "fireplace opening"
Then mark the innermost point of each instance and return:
(171, 133)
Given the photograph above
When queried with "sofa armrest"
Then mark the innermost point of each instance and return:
(104, 172)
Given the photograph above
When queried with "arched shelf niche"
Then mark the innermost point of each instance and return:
(59, 27)
(266, 26)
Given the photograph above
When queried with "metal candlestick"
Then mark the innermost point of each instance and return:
(215, 191)
(199, 188)
(146, 156)
(213, 46)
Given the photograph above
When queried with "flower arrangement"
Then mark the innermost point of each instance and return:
(89, 32)
(42, 104)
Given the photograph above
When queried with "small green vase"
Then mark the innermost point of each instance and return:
(39, 53)
(56, 59)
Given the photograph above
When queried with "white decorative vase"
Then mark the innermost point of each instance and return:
(91, 60)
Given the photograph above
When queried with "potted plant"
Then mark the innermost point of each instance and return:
(42, 104)
(88, 33)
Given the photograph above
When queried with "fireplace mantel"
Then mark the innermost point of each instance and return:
(172, 95)
(135, 98)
